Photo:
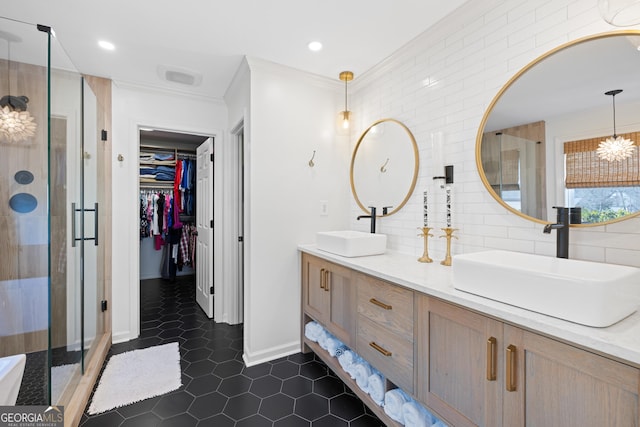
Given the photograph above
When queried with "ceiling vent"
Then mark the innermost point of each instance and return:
(180, 75)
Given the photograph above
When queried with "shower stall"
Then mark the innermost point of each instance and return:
(53, 193)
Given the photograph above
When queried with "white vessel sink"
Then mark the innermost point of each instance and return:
(349, 243)
(584, 292)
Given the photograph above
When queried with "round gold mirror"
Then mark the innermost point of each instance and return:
(384, 167)
(537, 145)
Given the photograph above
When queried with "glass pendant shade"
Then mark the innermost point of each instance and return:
(345, 119)
(621, 13)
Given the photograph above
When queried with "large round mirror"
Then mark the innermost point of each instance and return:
(384, 167)
(537, 144)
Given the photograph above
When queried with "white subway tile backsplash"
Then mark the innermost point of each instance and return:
(509, 244)
(443, 81)
(622, 256)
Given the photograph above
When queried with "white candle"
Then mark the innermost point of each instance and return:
(448, 191)
(437, 142)
(426, 210)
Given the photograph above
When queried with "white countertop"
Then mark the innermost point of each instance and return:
(620, 341)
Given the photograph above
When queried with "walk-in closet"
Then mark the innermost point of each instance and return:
(168, 203)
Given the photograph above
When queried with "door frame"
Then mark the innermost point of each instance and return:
(234, 223)
(134, 294)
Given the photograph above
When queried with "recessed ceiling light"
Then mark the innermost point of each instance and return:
(106, 45)
(315, 46)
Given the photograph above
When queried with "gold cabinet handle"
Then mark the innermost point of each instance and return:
(491, 359)
(327, 278)
(380, 304)
(380, 349)
(322, 278)
(511, 368)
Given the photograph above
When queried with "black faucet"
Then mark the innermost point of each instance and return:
(562, 228)
(373, 218)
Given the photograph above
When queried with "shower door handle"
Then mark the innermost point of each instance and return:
(95, 224)
(95, 211)
(73, 225)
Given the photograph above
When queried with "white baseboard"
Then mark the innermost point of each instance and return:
(121, 337)
(251, 359)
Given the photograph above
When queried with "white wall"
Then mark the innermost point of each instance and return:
(469, 56)
(292, 114)
(135, 107)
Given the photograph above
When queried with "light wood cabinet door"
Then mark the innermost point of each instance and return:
(555, 384)
(329, 296)
(315, 298)
(458, 364)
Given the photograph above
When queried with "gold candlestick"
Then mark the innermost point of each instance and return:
(426, 235)
(448, 234)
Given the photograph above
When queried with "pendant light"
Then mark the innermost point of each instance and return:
(615, 148)
(16, 124)
(621, 13)
(345, 76)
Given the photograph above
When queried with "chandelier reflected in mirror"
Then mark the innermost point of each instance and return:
(16, 123)
(615, 148)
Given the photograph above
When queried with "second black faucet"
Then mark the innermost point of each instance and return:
(372, 216)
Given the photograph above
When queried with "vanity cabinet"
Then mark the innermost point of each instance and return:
(329, 296)
(478, 371)
(555, 384)
(458, 364)
(385, 332)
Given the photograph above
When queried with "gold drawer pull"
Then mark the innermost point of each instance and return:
(380, 304)
(322, 278)
(491, 359)
(380, 349)
(511, 368)
(327, 278)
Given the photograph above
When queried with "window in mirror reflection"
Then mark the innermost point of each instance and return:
(605, 190)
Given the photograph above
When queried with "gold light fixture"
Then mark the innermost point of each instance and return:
(16, 124)
(345, 76)
(615, 148)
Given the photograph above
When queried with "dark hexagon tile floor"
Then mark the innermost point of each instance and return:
(217, 388)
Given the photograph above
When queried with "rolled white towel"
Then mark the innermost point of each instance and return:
(376, 388)
(352, 369)
(393, 401)
(312, 330)
(346, 360)
(333, 344)
(341, 350)
(362, 374)
(415, 415)
(323, 336)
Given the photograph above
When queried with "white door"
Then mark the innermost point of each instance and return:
(204, 224)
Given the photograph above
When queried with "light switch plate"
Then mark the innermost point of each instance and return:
(324, 208)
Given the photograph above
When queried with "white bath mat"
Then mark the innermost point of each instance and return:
(61, 376)
(137, 375)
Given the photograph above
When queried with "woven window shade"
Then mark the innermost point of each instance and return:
(510, 160)
(584, 169)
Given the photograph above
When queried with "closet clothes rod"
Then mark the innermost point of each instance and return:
(146, 186)
(187, 156)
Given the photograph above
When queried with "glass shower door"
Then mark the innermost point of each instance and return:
(74, 195)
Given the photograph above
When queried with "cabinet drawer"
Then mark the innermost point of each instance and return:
(389, 353)
(387, 305)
